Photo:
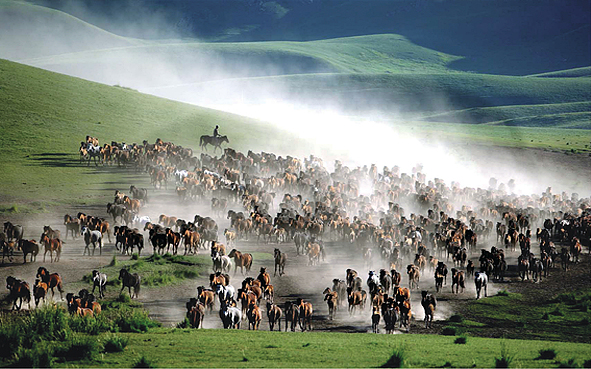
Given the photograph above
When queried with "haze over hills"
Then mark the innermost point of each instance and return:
(367, 69)
(512, 37)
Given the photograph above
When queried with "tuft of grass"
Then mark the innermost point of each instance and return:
(135, 256)
(571, 363)
(546, 354)
(115, 343)
(144, 362)
(79, 348)
(123, 298)
(49, 323)
(91, 325)
(449, 331)
(39, 356)
(135, 321)
(557, 312)
(505, 360)
(461, 340)
(113, 261)
(503, 293)
(397, 360)
(456, 318)
(184, 324)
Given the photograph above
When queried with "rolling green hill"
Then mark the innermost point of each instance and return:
(569, 73)
(206, 61)
(512, 37)
(45, 115)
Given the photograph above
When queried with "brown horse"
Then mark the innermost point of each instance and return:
(206, 297)
(280, 259)
(244, 261)
(254, 316)
(52, 280)
(396, 277)
(292, 315)
(264, 277)
(331, 298)
(246, 298)
(274, 314)
(429, 303)
(195, 313)
(305, 314)
(457, 279)
(51, 245)
(19, 290)
(39, 291)
(413, 276)
(219, 278)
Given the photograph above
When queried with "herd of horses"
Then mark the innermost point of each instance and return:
(317, 209)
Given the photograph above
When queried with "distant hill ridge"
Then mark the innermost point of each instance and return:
(513, 37)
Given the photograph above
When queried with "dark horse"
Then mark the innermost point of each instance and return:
(216, 142)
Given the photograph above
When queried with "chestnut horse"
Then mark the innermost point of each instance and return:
(51, 245)
(244, 261)
(52, 280)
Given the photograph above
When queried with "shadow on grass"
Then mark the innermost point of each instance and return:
(54, 160)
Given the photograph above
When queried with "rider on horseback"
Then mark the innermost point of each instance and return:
(215, 132)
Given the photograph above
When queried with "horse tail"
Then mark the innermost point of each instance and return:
(201, 141)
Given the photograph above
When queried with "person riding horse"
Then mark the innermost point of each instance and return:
(215, 132)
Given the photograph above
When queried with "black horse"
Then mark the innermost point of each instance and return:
(216, 142)
(130, 281)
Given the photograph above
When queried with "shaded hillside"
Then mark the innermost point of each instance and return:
(28, 31)
(515, 37)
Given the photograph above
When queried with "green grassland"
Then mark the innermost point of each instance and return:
(45, 115)
(244, 349)
(564, 318)
(574, 72)
(388, 53)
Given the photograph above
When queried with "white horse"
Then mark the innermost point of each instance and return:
(480, 280)
(94, 152)
(94, 237)
(373, 281)
(225, 293)
(141, 220)
(99, 279)
(180, 175)
(231, 316)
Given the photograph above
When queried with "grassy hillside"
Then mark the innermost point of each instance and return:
(565, 115)
(198, 62)
(570, 73)
(514, 37)
(44, 116)
(30, 31)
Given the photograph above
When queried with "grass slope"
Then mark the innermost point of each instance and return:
(30, 31)
(516, 37)
(244, 349)
(44, 116)
(570, 73)
(505, 113)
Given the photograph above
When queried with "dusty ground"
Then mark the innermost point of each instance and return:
(166, 304)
